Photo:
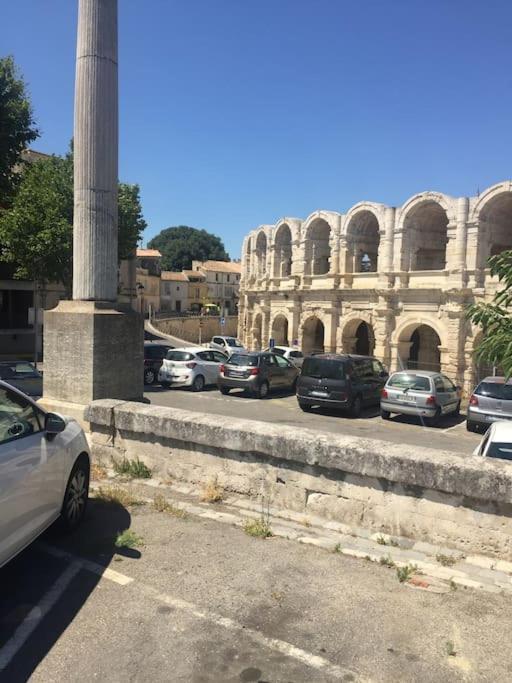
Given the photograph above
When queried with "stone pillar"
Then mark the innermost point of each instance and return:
(385, 263)
(457, 265)
(94, 346)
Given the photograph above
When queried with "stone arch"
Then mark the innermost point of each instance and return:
(358, 336)
(362, 235)
(313, 335)
(424, 224)
(419, 346)
(493, 212)
(260, 254)
(257, 332)
(280, 330)
(283, 251)
(317, 249)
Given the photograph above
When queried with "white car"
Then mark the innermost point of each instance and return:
(497, 441)
(291, 353)
(44, 471)
(191, 367)
(228, 345)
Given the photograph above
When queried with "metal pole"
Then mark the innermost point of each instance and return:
(36, 335)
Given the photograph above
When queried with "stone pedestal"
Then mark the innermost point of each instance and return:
(92, 350)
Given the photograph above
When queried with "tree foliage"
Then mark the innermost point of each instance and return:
(495, 318)
(181, 245)
(36, 233)
(17, 127)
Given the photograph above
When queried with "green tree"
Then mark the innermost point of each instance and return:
(181, 245)
(495, 318)
(36, 233)
(17, 127)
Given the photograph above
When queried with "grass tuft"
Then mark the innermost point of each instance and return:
(128, 539)
(160, 504)
(135, 469)
(259, 528)
(337, 548)
(98, 471)
(212, 492)
(450, 648)
(115, 495)
(386, 561)
(405, 573)
(446, 560)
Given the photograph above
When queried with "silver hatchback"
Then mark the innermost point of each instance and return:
(491, 401)
(422, 393)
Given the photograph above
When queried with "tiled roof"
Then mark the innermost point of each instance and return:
(143, 253)
(194, 273)
(222, 266)
(176, 277)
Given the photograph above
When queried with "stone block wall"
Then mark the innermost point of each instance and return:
(188, 327)
(440, 497)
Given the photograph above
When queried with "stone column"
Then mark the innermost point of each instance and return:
(457, 266)
(385, 267)
(93, 346)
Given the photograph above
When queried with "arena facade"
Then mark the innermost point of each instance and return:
(393, 282)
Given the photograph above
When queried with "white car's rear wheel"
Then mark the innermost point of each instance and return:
(77, 494)
(198, 383)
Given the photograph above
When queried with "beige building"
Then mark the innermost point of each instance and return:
(147, 285)
(223, 280)
(395, 282)
(197, 290)
(174, 291)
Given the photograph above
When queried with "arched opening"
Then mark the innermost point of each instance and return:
(313, 336)
(318, 250)
(358, 337)
(496, 224)
(261, 255)
(425, 235)
(363, 241)
(280, 330)
(257, 332)
(283, 252)
(420, 350)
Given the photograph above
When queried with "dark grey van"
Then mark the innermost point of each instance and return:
(347, 382)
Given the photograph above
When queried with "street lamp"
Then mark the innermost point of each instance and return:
(140, 291)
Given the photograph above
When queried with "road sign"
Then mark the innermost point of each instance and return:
(272, 343)
(222, 322)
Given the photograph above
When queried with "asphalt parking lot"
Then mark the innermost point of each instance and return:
(202, 601)
(450, 434)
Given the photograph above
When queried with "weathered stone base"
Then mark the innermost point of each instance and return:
(438, 497)
(92, 351)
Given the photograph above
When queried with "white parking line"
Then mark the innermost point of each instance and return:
(36, 614)
(104, 572)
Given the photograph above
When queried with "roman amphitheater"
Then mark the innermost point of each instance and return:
(394, 282)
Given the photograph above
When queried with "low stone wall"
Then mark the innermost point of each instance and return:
(188, 327)
(439, 497)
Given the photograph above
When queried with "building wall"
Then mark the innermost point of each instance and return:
(172, 292)
(395, 282)
(149, 294)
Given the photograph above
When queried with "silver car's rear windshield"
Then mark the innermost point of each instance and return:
(500, 450)
(241, 359)
(410, 382)
(179, 355)
(495, 390)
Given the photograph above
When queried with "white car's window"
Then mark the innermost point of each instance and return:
(282, 362)
(18, 418)
(204, 355)
(219, 357)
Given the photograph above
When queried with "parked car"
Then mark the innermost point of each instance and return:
(226, 344)
(23, 375)
(154, 353)
(497, 441)
(192, 367)
(258, 373)
(44, 471)
(340, 381)
(291, 353)
(422, 393)
(490, 401)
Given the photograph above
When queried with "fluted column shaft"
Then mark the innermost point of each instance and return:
(96, 153)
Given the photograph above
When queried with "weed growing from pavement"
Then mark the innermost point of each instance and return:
(128, 539)
(160, 504)
(453, 585)
(98, 471)
(405, 573)
(259, 528)
(450, 648)
(337, 548)
(212, 492)
(386, 561)
(381, 540)
(115, 495)
(446, 560)
(135, 469)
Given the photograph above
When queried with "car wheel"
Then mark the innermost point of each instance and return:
(385, 414)
(198, 383)
(262, 390)
(355, 408)
(306, 407)
(471, 426)
(224, 390)
(149, 376)
(77, 493)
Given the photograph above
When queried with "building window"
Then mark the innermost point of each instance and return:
(228, 277)
(216, 277)
(178, 306)
(178, 288)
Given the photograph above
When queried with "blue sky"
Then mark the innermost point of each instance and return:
(235, 113)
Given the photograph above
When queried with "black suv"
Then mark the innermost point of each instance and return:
(154, 353)
(333, 380)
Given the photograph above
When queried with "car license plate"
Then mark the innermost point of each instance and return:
(408, 399)
(320, 394)
(236, 373)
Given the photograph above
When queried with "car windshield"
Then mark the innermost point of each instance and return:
(500, 450)
(11, 370)
(179, 355)
(409, 382)
(230, 341)
(495, 390)
(323, 368)
(242, 359)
